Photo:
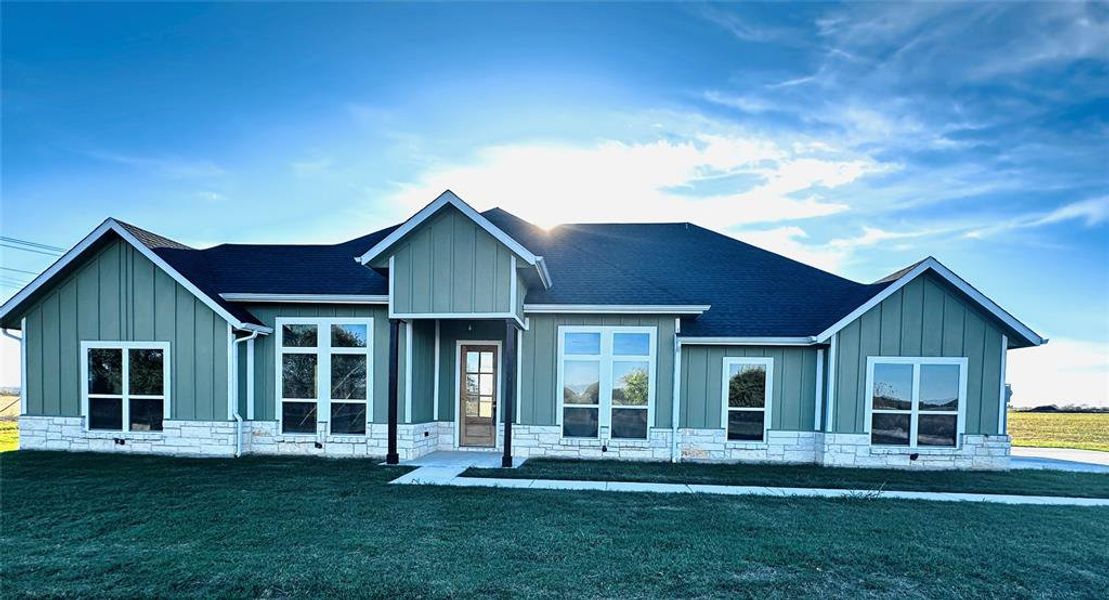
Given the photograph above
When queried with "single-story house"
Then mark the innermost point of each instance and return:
(460, 330)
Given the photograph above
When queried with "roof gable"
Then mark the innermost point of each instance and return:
(145, 243)
(448, 198)
(901, 278)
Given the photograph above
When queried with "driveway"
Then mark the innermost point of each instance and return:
(1063, 459)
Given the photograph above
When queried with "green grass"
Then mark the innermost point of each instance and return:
(1034, 483)
(9, 436)
(127, 526)
(1085, 431)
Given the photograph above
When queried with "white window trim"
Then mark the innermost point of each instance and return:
(606, 359)
(914, 412)
(323, 352)
(768, 398)
(126, 396)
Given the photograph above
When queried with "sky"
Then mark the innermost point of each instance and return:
(858, 138)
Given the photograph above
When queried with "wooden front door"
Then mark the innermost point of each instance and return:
(477, 398)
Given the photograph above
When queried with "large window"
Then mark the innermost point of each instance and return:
(323, 374)
(916, 401)
(126, 385)
(748, 384)
(607, 378)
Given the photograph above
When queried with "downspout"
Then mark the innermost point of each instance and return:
(676, 400)
(235, 413)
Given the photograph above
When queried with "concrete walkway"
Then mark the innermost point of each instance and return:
(448, 475)
(441, 466)
(1062, 459)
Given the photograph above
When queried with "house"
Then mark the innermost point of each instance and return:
(479, 331)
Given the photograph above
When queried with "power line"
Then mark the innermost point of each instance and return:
(14, 247)
(12, 240)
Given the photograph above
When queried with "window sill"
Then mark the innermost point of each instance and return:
(736, 445)
(905, 450)
(102, 434)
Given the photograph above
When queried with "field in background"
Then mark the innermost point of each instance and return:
(9, 406)
(1085, 431)
(9, 436)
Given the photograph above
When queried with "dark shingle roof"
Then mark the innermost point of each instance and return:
(752, 292)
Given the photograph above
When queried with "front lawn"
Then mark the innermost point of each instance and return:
(1086, 431)
(1027, 482)
(127, 526)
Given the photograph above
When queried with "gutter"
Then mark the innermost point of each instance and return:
(235, 413)
(675, 403)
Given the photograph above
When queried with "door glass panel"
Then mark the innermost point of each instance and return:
(486, 362)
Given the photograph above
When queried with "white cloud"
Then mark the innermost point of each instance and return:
(653, 181)
(1091, 212)
(1064, 371)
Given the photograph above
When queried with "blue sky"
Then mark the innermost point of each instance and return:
(858, 138)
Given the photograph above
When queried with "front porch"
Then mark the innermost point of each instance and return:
(459, 387)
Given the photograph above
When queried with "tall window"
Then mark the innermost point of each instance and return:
(916, 401)
(324, 369)
(748, 383)
(126, 385)
(607, 379)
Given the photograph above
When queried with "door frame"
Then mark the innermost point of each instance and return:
(458, 344)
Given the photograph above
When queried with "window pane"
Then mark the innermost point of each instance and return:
(146, 414)
(936, 430)
(472, 362)
(579, 422)
(939, 387)
(145, 372)
(745, 425)
(631, 344)
(747, 386)
(298, 336)
(348, 418)
(472, 385)
(582, 343)
(486, 362)
(106, 413)
(581, 382)
(629, 383)
(485, 406)
(485, 385)
(348, 336)
(629, 423)
(890, 430)
(105, 371)
(348, 377)
(298, 417)
(893, 386)
(298, 376)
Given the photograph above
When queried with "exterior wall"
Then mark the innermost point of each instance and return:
(924, 318)
(450, 265)
(117, 294)
(423, 372)
(539, 364)
(265, 399)
(793, 399)
(182, 438)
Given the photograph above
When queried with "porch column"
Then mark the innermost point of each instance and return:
(391, 458)
(510, 389)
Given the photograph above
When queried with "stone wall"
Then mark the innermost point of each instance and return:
(217, 438)
(985, 452)
(182, 438)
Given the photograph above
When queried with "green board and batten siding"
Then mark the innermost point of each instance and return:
(924, 318)
(793, 397)
(117, 294)
(450, 265)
